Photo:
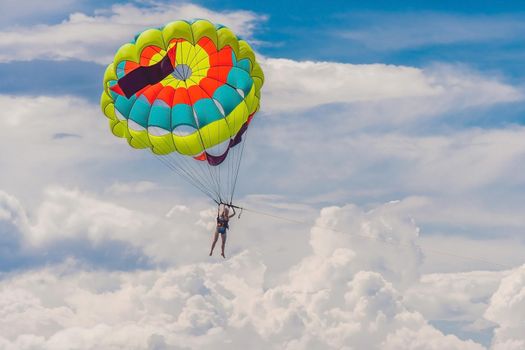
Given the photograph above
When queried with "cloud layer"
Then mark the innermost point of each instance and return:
(99, 248)
(414, 30)
(293, 85)
(347, 291)
(96, 38)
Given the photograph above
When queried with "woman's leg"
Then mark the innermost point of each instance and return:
(223, 238)
(215, 238)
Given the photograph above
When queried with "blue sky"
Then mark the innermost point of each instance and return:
(448, 31)
(478, 40)
(380, 122)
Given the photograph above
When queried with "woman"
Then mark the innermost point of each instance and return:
(222, 225)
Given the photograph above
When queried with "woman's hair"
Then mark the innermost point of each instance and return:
(225, 210)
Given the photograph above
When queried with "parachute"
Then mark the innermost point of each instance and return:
(186, 91)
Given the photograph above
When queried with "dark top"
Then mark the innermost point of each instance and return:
(223, 222)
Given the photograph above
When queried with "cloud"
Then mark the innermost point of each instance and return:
(457, 250)
(133, 230)
(353, 281)
(132, 187)
(357, 282)
(386, 32)
(300, 85)
(71, 217)
(96, 38)
(66, 215)
(30, 143)
(349, 230)
(332, 152)
(17, 13)
(330, 299)
(462, 212)
(460, 297)
(507, 309)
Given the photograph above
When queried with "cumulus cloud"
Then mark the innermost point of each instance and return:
(356, 284)
(96, 38)
(355, 281)
(331, 299)
(67, 214)
(292, 85)
(461, 297)
(507, 309)
(74, 218)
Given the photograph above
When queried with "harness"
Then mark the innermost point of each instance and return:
(222, 222)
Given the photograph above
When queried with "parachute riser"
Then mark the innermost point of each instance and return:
(231, 206)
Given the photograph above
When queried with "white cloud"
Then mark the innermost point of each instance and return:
(13, 11)
(145, 224)
(357, 284)
(414, 30)
(12, 211)
(292, 85)
(71, 215)
(52, 140)
(354, 282)
(96, 38)
(132, 187)
(455, 252)
(371, 240)
(507, 309)
(205, 305)
(455, 297)
(67, 214)
(332, 153)
(426, 338)
(74, 215)
(462, 212)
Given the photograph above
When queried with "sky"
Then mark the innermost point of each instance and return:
(390, 142)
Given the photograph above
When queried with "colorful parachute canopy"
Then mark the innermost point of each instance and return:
(188, 89)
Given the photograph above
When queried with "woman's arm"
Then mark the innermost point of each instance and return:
(231, 216)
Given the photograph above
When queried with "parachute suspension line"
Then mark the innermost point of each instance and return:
(245, 136)
(211, 171)
(295, 221)
(229, 159)
(172, 163)
(197, 181)
(192, 182)
(213, 179)
(230, 169)
(173, 60)
(234, 159)
(190, 175)
(175, 169)
(214, 182)
(196, 172)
